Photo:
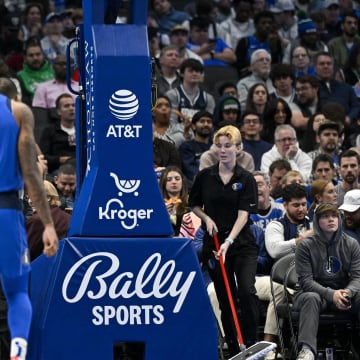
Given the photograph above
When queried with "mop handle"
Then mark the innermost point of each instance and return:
(228, 290)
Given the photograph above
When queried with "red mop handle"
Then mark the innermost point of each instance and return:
(228, 290)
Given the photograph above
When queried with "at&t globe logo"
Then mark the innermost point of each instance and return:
(123, 104)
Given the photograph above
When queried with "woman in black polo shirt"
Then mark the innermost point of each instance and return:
(223, 196)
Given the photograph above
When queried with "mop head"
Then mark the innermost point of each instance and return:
(257, 351)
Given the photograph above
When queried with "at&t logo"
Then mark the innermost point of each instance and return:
(123, 104)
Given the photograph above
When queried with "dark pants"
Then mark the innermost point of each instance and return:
(310, 305)
(241, 272)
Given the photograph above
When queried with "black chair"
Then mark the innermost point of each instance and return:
(214, 76)
(277, 275)
(337, 329)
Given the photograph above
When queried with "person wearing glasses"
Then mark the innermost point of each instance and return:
(300, 61)
(260, 66)
(287, 147)
(251, 127)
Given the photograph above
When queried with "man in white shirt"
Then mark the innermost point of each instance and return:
(286, 147)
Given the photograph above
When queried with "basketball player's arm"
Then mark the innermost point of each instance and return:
(34, 184)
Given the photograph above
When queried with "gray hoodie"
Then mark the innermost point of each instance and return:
(324, 266)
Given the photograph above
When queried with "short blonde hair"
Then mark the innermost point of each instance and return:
(231, 132)
(52, 193)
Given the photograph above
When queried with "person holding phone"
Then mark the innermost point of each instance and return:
(214, 51)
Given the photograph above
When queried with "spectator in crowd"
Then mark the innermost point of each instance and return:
(277, 113)
(349, 165)
(323, 168)
(283, 79)
(300, 61)
(268, 210)
(228, 110)
(251, 127)
(32, 22)
(213, 51)
(57, 142)
(307, 95)
(284, 235)
(179, 37)
(47, 92)
(202, 125)
(328, 134)
(54, 42)
(263, 22)
(167, 76)
(224, 10)
(65, 182)
(36, 69)
(188, 98)
(175, 193)
(34, 226)
(328, 267)
(308, 38)
(241, 25)
(321, 191)
(257, 98)
(228, 88)
(176, 133)
(6, 73)
(288, 22)
(310, 140)
(154, 42)
(333, 90)
(68, 23)
(286, 146)
(208, 11)
(277, 170)
(165, 154)
(291, 177)
(341, 46)
(260, 65)
(351, 209)
(352, 69)
(332, 19)
(166, 15)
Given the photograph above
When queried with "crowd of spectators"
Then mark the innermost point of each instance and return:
(285, 73)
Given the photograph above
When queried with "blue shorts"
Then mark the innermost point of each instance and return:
(14, 253)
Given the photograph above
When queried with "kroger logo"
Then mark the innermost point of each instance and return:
(123, 104)
(115, 209)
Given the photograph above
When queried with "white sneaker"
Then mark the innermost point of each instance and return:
(305, 354)
(272, 355)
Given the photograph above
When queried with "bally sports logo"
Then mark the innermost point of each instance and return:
(123, 104)
(97, 276)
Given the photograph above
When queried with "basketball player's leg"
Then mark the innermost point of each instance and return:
(19, 314)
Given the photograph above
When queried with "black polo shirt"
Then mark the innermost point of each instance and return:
(222, 202)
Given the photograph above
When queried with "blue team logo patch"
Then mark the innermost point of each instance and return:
(237, 186)
(333, 265)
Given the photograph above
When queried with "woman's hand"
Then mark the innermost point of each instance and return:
(211, 227)
(222, 251)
